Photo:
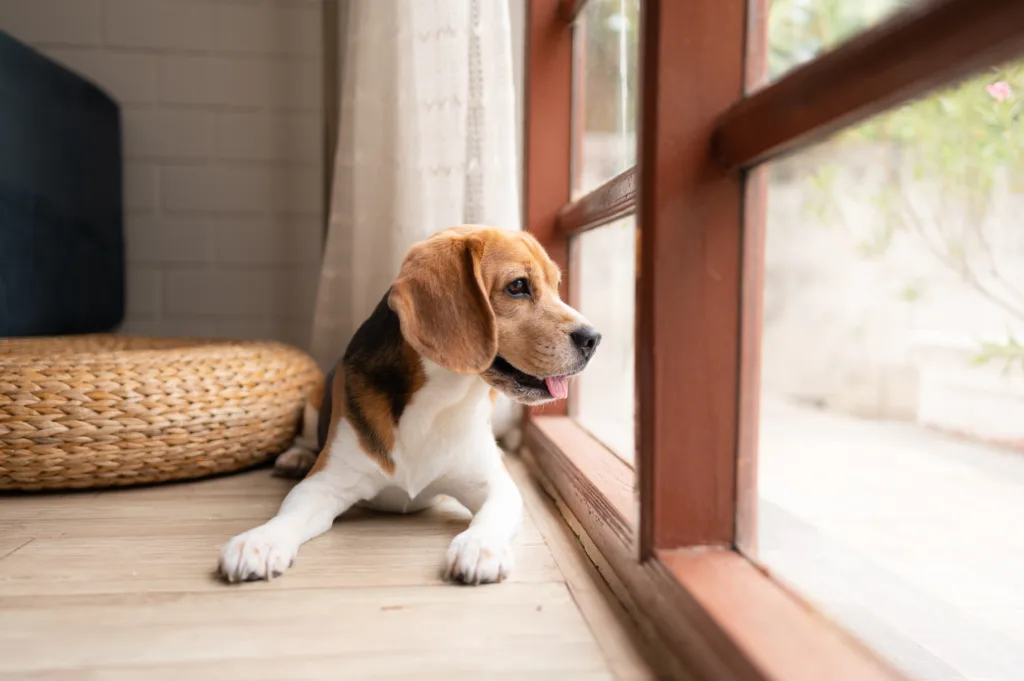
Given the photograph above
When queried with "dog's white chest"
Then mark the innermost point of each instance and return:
(444, 432)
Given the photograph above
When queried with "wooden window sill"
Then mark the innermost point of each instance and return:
(722, 616)
(576, 459)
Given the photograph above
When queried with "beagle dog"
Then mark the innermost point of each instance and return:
(405, 415)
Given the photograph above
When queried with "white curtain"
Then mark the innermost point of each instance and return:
(426, 141)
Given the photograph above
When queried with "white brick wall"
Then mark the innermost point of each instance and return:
(222, 139)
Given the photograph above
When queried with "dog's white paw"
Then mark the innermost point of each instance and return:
(263, 553)
(475, 557)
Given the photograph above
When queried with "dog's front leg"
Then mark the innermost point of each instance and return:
(483, 553)
(308, 511)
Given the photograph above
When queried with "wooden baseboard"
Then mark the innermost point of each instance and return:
(717, 616)
(665, 664)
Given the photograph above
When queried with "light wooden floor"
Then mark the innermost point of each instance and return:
(119, 585)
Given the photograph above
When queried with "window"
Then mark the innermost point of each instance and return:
(605, 41)
(800, 30)
(719, 124)
(892, 401)
(603, 282)
(604, 289)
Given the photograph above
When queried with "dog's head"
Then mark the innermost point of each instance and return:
(482, 300)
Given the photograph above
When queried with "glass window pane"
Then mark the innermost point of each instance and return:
(800, 30)
(604, 285)
(891, 464)
(604, 92)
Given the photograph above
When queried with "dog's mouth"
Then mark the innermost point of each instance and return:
(556, 387)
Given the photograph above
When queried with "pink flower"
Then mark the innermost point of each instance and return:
(999, 91)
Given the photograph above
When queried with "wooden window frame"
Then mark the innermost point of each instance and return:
(681, 547)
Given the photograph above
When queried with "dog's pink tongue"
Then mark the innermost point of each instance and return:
(558, 386)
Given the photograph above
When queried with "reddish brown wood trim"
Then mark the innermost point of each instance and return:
(780, 634)
(581, 465)
(918, 50)
(547, 146)
(691, 635)
(688, 297)
(723, 618)
(570, 9)
(614, 199)
(752, 292)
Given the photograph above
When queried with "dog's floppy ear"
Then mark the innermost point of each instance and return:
(442, 304)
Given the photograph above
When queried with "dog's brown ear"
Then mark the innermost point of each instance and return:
(443, 306)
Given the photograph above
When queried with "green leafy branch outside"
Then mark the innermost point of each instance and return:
(963, 145)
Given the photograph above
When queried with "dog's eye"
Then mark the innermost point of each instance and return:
(518, 288)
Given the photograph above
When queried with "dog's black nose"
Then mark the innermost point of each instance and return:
(586, 339)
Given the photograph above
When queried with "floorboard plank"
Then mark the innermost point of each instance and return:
(119, 585)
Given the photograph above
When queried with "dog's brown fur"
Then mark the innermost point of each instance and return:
(448, 305)
(455, 281)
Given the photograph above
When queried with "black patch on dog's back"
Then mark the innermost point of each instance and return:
(381, 374)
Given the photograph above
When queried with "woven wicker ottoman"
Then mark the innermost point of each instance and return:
(111, 410)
